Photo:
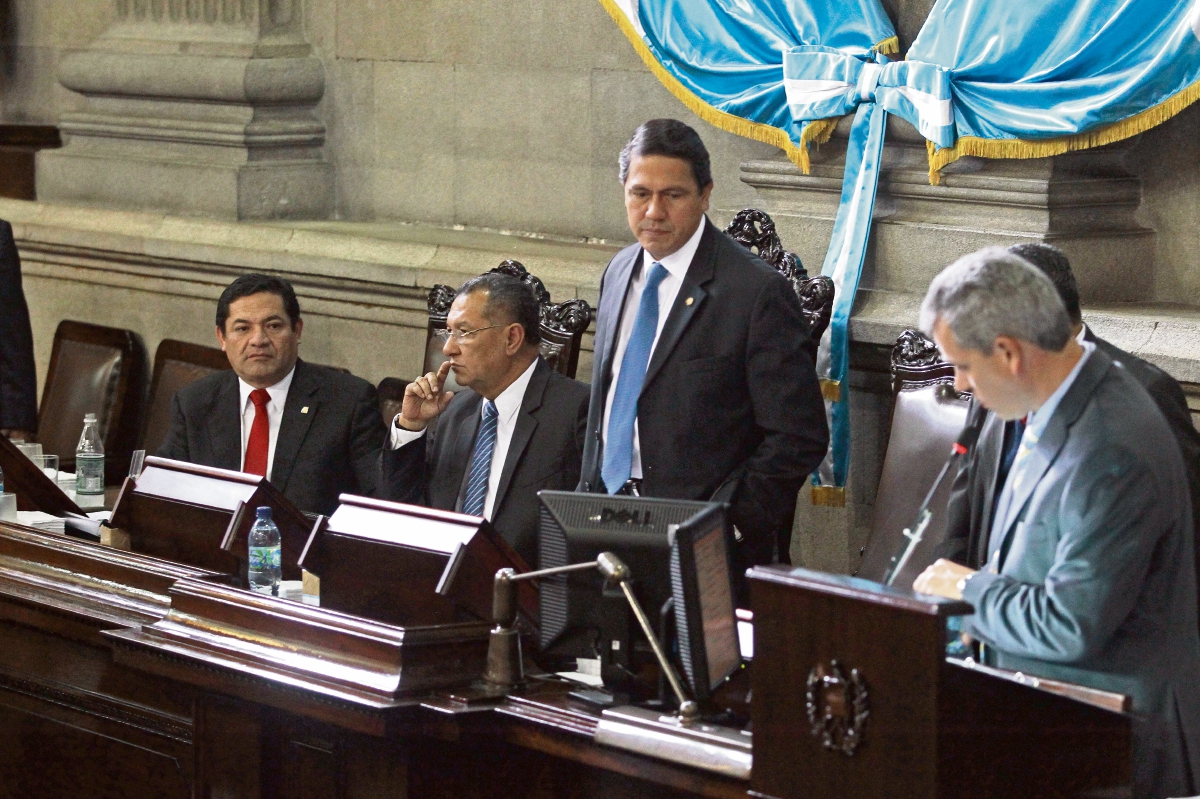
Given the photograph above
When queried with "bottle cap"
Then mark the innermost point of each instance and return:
(89, 417)
(263, 512)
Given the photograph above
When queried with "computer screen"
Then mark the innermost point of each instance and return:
(704, 609)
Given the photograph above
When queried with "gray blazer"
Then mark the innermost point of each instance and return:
(1098, 586)
(329, 437)
(544, 453)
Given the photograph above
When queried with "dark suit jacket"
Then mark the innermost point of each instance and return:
(18, 378)
(544, 453)
(1098, 586)
(730, 402)
(969, 512)
(331, 449)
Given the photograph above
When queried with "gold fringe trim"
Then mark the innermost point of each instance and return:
(1022, 148)
(713, 116)
(831, 389)
(888, 46)
(829, 496)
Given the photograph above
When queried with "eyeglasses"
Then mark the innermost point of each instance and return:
(460, 335)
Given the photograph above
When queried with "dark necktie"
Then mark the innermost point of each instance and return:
(481, 462)
(259, 442)
(618, 443)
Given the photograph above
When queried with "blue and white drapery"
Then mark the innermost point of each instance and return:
(989, 78)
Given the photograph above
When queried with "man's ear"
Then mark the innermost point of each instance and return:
(1012, 352)
(299, 328)
(514, 339)
(221, 338)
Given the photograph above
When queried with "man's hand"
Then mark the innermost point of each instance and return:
(942, 579)
(424, 399)
(14, 434)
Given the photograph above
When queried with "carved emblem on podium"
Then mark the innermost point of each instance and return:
(838, 707)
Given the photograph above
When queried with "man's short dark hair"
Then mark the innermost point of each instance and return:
(247, 285)
(671, 138)
(1053, 262)
(509, 300)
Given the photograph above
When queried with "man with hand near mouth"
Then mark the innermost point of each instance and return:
(312, 431)
(517, 430)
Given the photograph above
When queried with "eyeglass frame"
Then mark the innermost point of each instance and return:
(445, 334)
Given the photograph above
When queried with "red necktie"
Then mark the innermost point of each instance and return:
(260, 435)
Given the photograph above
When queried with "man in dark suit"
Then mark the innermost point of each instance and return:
(517, 431)
(314, 432)
(1088, 576)
(701, 383)
(18, 378)
(983, 471)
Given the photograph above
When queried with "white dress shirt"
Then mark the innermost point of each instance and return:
(676, 264)
(278, 393)
(508, 406)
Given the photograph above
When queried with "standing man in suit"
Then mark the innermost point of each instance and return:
(518, 430)
(985, 468)
(702, 387)
(18, 378)
(312, 431)
(1089, 575)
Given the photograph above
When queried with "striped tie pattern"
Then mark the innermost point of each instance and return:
(618, 443)
(481, 462)
(1028, 443)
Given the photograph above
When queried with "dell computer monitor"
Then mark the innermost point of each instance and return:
(705, 617)
(580, 616)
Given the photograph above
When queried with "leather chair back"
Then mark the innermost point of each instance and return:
(177, 364)
(390, 392)
(928, 417)
(562, 326)
(100, 370)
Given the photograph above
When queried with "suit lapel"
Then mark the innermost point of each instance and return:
(299, 410)
(461, 442)
(689, 299)
(526, 423)
(611, 307)
(1051, 442)
(225, 425)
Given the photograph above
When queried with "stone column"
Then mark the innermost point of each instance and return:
(199, 107)
(1085, 203)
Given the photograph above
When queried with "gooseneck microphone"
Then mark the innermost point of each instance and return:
(966, 440)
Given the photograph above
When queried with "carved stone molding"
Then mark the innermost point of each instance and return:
(197, 107)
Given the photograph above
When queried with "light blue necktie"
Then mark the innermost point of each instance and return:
(618, 443)
(481, 463)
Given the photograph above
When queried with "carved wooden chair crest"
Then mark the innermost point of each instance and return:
(755, 230)
(562, 324)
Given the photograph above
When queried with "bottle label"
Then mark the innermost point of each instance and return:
(265, 558)
(89, 474)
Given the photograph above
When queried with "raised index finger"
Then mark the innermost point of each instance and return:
(443, 370)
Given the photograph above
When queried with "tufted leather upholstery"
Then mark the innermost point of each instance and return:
(93, 369)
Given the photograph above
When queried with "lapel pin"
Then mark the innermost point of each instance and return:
(304, 409)
(689, 301)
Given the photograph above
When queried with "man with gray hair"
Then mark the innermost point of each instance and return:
(1089, 576)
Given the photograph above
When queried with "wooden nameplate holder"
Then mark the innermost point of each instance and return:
(34, 490)
(404, 564)
(305, 660)
(200, 516)
(854, 696)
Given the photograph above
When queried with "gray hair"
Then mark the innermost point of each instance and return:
(993, 293)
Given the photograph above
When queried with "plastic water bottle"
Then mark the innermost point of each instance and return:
(89, 459)
(266, 559)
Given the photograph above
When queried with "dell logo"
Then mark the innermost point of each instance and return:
(638, 517)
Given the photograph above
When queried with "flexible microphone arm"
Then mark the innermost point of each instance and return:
(504, 666)
(966, 440)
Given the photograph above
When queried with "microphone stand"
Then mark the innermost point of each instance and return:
(504, 666)
(913, 535)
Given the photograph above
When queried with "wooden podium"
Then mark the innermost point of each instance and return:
(200, 516)
(34, 490)
(405, 564)
(853, 696)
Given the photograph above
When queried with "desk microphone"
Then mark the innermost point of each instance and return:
(913, 535)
